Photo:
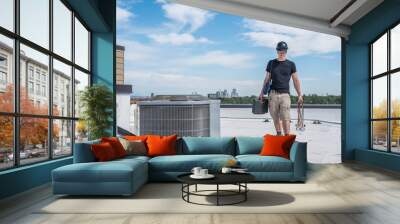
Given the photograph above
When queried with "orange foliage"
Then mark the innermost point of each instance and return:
(33, 130)
(380, 127)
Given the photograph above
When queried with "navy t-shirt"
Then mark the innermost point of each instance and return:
(281, 72)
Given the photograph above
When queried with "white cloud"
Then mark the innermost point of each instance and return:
(301, 42)
(145, 55)
(183, 21)
(187, 18)
(177, 39)
(221, 58)
(136, 51)
(123, 15)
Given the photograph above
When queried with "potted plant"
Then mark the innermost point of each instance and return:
(96, 103)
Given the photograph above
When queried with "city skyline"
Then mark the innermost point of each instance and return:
(180, 50)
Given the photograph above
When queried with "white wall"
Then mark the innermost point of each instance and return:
(133, 120)
(123, 110)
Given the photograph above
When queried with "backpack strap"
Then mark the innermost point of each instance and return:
(267, 88)
(268, 85)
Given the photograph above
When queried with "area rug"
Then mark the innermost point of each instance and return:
(166, 198)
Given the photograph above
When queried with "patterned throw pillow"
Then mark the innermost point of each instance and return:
(135, 147)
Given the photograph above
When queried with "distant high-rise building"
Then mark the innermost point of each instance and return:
(234, 93)
(225, 94)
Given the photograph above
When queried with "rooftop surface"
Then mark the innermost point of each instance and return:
(323, 140)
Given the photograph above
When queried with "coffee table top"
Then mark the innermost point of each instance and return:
(220, 178)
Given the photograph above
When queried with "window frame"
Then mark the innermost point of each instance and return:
(388, 74)
(16, 114)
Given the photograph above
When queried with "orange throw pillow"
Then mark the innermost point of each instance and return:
(116, 145)
(103, 152)
(161, 145)
(277, 145)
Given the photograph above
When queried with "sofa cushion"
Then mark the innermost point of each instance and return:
(257, 163)
(185, 163)
(132, 158)
(112, 171)
(249, 145)
(208, 145)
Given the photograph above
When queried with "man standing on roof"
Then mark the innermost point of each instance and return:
(278, 72)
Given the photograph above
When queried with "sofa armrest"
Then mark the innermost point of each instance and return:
(298, 155)
(83, 152)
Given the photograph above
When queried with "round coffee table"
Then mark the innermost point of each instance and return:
(238, 179)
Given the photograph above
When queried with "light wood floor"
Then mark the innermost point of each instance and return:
(377, 188)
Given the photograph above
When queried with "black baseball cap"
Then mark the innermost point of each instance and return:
(282, 46)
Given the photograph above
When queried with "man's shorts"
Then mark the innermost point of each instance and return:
(279, 105)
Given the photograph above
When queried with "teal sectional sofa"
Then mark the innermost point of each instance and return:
(125, 176)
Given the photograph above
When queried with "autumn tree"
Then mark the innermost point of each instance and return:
(380, 127)
(6, 122)
(33, 131)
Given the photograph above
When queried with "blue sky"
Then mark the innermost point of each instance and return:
(176, 49)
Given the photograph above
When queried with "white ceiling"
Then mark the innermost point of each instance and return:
(315, 15)
(321, 9)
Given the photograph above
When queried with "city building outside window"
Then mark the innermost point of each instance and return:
(43, 90)
(3, 61)
(37, 75)
(38, 89)
(3, 72)
(43, 77)
(30, 72)
(30, 87)
(3, 78)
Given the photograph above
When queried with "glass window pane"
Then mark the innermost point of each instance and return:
(33, 139)
(395, 136)
(379, 97)
(35, 21)
(81, 81)
(62, 29)
(379, 55)
(6, 142)
(62, 89)
(81, 45)
(34, 96)
(62, 138)
(7, 14)
(395, 94)
(379, 135)
(6, 74)
(395, 47)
